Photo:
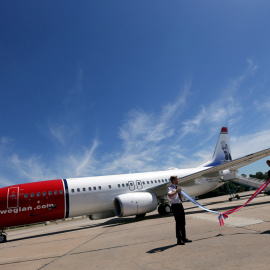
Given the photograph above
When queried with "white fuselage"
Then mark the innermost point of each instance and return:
(92, 195)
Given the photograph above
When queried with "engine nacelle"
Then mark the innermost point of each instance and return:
(136, 203)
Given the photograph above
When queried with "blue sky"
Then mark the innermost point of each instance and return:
(106, 87)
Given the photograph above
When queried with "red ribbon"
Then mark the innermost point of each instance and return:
(225, 214)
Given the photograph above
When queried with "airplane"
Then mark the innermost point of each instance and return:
(115, 195)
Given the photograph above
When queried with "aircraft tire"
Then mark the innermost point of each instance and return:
(3, 238)
(161, 209)
(164, 209)
(167, 209)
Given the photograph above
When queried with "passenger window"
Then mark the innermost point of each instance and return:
(143, 183)
(152, 182)
(131, 184)
(155, 181)
(84, 189)
(148, 182)
(119, 185)
(61, 191)
(50, 192)
(55, 192)
(162, 181)
(159, 181)
(123, 185)
(44, 193)
(94, 188)
(26, 195)
(32, 195)
(78, 190)
(99, 187)
(89, 189)
(38, 194)
(72, 190)
(127, 184)
(110, 186)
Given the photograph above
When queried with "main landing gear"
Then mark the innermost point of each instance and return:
(3, 236)
(233, 194)
(164, 209)
(234, 197)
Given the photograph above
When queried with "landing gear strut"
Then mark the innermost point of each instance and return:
(233, 194)
(3, 236)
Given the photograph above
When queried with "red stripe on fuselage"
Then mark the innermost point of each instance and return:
(32, 203)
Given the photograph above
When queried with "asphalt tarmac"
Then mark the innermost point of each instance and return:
(150, 243)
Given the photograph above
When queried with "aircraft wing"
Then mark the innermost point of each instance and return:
(231, 165)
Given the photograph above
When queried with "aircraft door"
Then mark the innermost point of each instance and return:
(131, 185)
(139, 184)
(13, 197)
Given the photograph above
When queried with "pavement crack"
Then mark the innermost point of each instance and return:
(59, 257)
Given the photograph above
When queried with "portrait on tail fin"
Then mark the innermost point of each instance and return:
(222, 153)
(226, 151)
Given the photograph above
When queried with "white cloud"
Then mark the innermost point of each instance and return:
(84, 164)
(30, 168)
(262, 105)
(218, 112)
(227, 108)
(62, 133)
(252, 67)
(5, 182)
(247, 144)
(150, 141)
(143, 129)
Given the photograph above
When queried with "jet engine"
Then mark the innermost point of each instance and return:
(136, 203)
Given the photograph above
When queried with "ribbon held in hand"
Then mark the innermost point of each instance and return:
(259, 190)
(204, 208)
(225, 214)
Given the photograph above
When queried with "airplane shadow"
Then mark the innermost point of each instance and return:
(122, 221)
(265, 232)
(107, 224)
